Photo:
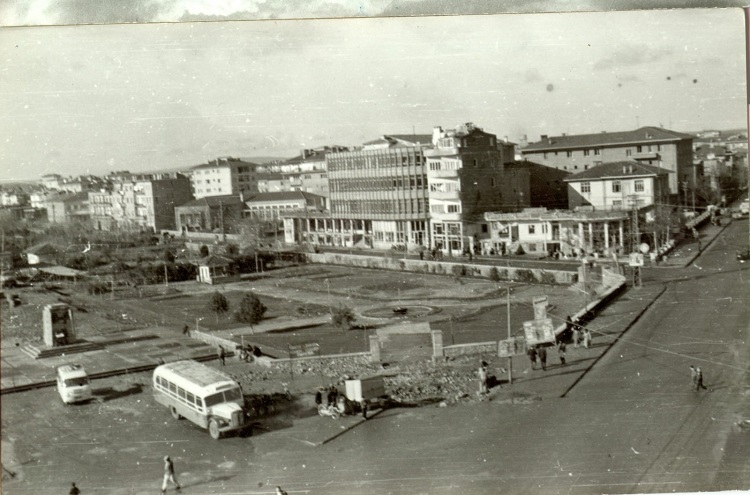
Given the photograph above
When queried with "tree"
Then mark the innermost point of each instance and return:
(204, 251)
(232, 250)
(218, 304)
(342, 316)
(250, 310)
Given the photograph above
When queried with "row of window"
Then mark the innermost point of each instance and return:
(638, 186)
(445, 208)
(597, 151)
(377, 206)
(372, 160)
(378, 184)
(187, 398)
(445, 164)
(445, 187)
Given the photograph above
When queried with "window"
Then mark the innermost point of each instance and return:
(585, 152)
(628, 152)
(658, 147)
(617, 203)
(616, 186)
(569, 154)
(639, 185)
(454, 208)
(545, 155)
(585, 187)
(638, 149)
(597, 152)
(532, 229)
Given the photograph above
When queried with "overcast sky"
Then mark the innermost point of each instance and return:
(78, 99)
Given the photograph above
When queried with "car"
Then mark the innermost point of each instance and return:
(745, 207)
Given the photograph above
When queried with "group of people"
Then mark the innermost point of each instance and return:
(579, 334)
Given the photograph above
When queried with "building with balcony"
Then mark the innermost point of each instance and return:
(468, 174)
(542, 232)
(217, 214)
(662, 148)
(622, 185)
(138, 202)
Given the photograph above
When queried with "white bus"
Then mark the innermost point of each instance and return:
(204, 395)
(73, 383)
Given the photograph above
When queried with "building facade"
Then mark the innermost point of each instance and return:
(68, 208)
(217, 214)
(224, 176)
(542, 232)
(620, 185)
(655, 146)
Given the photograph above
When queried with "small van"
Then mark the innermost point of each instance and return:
(73, 383)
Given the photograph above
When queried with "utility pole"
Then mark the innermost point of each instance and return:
(510, 336)
(221, 220)
(636, 235)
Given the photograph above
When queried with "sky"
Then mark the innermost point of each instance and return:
(98, 98)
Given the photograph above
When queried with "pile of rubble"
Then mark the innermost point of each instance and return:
(428, 382)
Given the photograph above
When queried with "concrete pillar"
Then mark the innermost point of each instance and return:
(581, 238)
(591, 235)
(606, 235)
(437, 344)
(622, 235)
(374, 349)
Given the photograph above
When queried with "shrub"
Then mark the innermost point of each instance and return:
(218, 304)
(519, 250)
(494, 274)
(204, 251)
(546, 277)
(250, 310)
(342, 316)
(97, 288)
(525, 275)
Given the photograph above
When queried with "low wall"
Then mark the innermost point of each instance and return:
(515, 274)
(469, 349)
(228, 345)
(333, 366)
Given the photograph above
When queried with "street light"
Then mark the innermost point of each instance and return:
(584, 262)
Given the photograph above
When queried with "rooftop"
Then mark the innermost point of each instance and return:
(642, 135)
(621, 169)
(280, 196)
(543, 214)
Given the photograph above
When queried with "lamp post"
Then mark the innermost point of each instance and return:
(330, 306)
(584, 262)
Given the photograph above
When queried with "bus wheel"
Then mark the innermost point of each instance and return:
(174, 412)
(213, 429)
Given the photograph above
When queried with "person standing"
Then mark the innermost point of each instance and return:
(693, 374)
(532, 356)
(168, 475)
(222, 356)
(576, 335)
(363, 405)
(74, 490)
(543, 357)
(561, 352)
(279, 491)
(587, 338)
(318, 398)
(482, 373)
(186, 330)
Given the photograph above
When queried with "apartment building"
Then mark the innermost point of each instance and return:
(138, 202)
(466, 175)
(68, 208)
(224, 176)
(662, 148)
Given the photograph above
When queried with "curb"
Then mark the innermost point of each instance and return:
(617, 339)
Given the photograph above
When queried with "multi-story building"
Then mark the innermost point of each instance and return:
(542, 232)
(138, 202)
(662, 148)
(622, 185)
(224, 176)
(218, 214)
(68, 208)
(270, 206)
(415, 190)
(466, 175)
(378, 195)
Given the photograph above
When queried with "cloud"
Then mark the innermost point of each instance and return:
(632, 55)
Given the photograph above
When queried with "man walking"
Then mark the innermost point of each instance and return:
(587, 338)
(576, 335)
(532, 356)
(699, 380)
(74, 490)
(482, 379)
(222, 356)
(168, 475)
(561, 352)
(693, 374)
(543, 357)
(186, 330)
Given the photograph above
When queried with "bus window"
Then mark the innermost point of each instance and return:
(190, 398)
(181, 392)
(172, 388)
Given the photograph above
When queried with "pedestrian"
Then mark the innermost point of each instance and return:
(222, 355)
(279, 491)
(363, 404)
(421, 255)
(543, 357)
(587, 338)
(331, 398)
(168, 475)
(699, 380)
(482, 379)
(576, 335)
(318, 398)
(74, 490)
(693, 374)
(186, 330)
(256, 351)
(532, 357)
(561, 352)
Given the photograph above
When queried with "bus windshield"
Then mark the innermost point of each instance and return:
(76, 382)
(233, 394)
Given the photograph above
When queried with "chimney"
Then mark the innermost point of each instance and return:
(304, 154)
(544, 136)
(437, 133)
(505, 138)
